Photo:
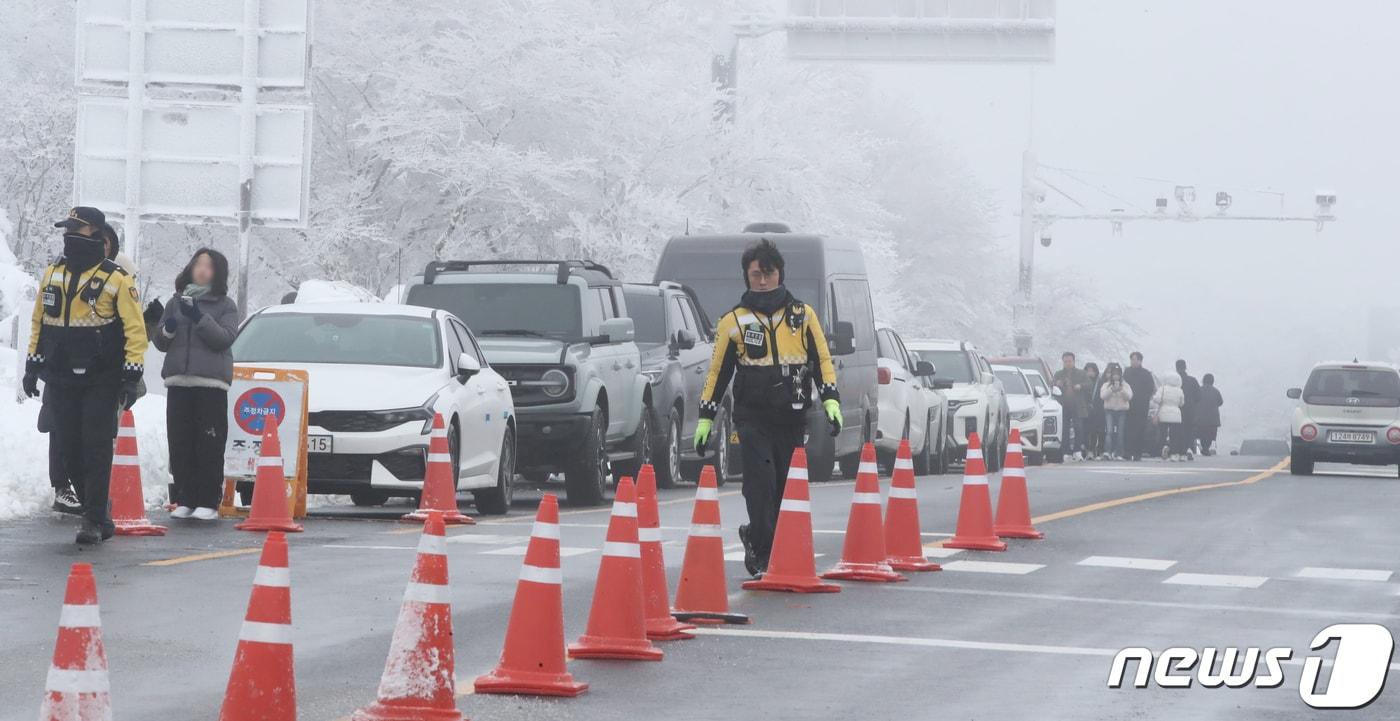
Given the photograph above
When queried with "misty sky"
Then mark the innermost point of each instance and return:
(1291, 96)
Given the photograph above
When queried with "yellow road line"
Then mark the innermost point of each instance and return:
(202, 557)
(1115, 502)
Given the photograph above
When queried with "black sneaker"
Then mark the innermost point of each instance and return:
(66, 501)
(750, 557)
(93, 532)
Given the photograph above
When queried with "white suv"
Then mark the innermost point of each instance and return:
(1026, 414)
(378, 372)
(911, 406)
(1052, 412)
(976, 400)
(1347, 413)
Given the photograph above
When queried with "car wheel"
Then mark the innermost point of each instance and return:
(923, 463)
(849, 464)
(496, 501)
(945, 457)
(586, 479)
(245, 494)
(642, 446)
(724, 456)
(667, 453)
(1298, 462)
(366, 499)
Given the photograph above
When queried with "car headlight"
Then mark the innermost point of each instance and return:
(1022, 415)
(399, 416)
(554, 383)
(954, 405)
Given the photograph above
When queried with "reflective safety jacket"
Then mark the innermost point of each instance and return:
(774, 361)
(87, 326)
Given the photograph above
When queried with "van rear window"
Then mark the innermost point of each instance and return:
(1371, 387)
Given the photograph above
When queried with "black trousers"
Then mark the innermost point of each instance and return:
(1206, 434)
(1135, 432)
(196, 427)
(85, 422)
(765, 452)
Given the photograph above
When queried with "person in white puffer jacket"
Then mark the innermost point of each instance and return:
(1165, 412)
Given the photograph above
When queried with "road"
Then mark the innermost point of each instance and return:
(1222, 552)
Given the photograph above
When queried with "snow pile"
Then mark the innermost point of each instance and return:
(419, 662)
(16, 286)
(24, 476)
(328, 291)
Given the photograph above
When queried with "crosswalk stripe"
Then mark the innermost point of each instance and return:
(1217, 580)
(1344, 574)
(1146, 564)
(1014, 569)
(564, 551)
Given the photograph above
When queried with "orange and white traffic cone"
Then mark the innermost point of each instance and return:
(904, 540)
(656, 599)
(791, 565)
(863, 556)
(702, 596)
(1013, 502)
(532, 662)
(419, 682)
(128, 504)
(617, 620)
(77, 688)
(262, 685)
(271, 510)
(439, 487)
(974, 531)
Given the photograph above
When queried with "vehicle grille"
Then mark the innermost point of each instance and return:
(349, 421)
(408, 464)
(527, 396)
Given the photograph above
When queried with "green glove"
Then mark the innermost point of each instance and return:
(833, 412)
(702, 434)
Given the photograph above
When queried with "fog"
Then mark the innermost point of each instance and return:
(1238, 96)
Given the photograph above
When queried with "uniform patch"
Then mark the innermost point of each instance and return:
(753, 336)
(132, 288)
(50, 299)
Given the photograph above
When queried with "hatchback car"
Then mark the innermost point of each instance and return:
(1347, 413)
(1026, 413)
(378, 372)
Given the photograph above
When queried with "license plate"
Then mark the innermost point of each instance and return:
(319, 444)
(1351, 437)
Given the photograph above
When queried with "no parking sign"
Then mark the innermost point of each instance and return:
(257, 394)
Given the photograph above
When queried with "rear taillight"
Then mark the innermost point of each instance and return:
(1308, 432)
(885, 376)
(1393, 435)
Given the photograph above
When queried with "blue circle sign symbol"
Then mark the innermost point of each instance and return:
(256, 404)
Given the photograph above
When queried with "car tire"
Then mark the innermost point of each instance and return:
(666, 451)
(924, 462)
(586, 478)
(945, 457)
(724, 451)
(850, 464)
(642, 446)
(496, 501)
(245, 494)
(1298, 462)
(367, 499)
(1054, 457)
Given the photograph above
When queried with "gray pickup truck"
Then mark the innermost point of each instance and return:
(559, 333)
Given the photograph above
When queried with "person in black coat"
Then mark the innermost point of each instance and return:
(1207, 421)
(1192, 390)
(1144, 386)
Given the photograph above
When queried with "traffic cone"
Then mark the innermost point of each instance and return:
(904, 541)
(532, 662)
(419, 682)
(271, 510)
(863, 556)
(128, 505)
(1013, 502)
(702, 596)
(656, 599)
(617, 621)
(791, 565)
(974, 529)
(77, 687)
(262, 685)
(439, 487)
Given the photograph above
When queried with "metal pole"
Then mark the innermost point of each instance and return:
(135, 119)
(247, 145)
(1023, 310)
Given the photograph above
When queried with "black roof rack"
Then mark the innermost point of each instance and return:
(564, 267)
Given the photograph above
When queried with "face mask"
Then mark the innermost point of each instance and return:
(81, 252)
(767, 302)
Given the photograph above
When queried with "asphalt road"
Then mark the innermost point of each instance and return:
(1256, 558)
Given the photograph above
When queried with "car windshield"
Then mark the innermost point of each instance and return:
(1038, 383)
(548, 310)
(1353, 387)
(384, 340)
(951, 365)
(1014, 382)
(648, 312)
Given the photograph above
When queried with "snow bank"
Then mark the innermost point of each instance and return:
(326, 291)
(24, 475)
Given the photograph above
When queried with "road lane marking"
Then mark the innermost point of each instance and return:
(1331, 614)
(1216, 580)
(1146, 564)
(1102, 505)
(484, 539)
(1005, 567)
(564, 551)
(351, 546)
(203, 557)
(935, 550)
(1344, 574)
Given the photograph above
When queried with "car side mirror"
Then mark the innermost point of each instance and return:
(618, 330)
(1295, 393)
(843, 338)
(685, 339)
(1038, 392)
(925, 369)
(467, 366)
(1056, 392)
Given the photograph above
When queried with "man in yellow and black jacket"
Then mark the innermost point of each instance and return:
(88, 343)
(773, 347)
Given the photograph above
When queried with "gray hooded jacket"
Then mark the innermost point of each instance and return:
(198, 354)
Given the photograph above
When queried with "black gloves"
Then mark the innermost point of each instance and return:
(169, 325)
(133, 385)
(132, 374)
(154, 310)
(31, 376)
(190, 308)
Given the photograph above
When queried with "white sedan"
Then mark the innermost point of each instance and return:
(378, 372)
(910, 407)
(1026, 414)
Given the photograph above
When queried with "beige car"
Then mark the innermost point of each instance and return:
(1346, 413)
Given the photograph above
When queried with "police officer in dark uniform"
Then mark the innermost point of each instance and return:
(88, 343)
(773, 347)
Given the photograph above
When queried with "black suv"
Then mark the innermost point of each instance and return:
(675, 340)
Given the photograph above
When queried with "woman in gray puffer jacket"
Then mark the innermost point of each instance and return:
(196, 332)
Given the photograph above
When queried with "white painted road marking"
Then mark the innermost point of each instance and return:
(941, 552)
(1323, 613)
(482, 538)
(1218, 580)
(1146, 564)
(564, 551)
(1015, 569)
(1344, 574)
